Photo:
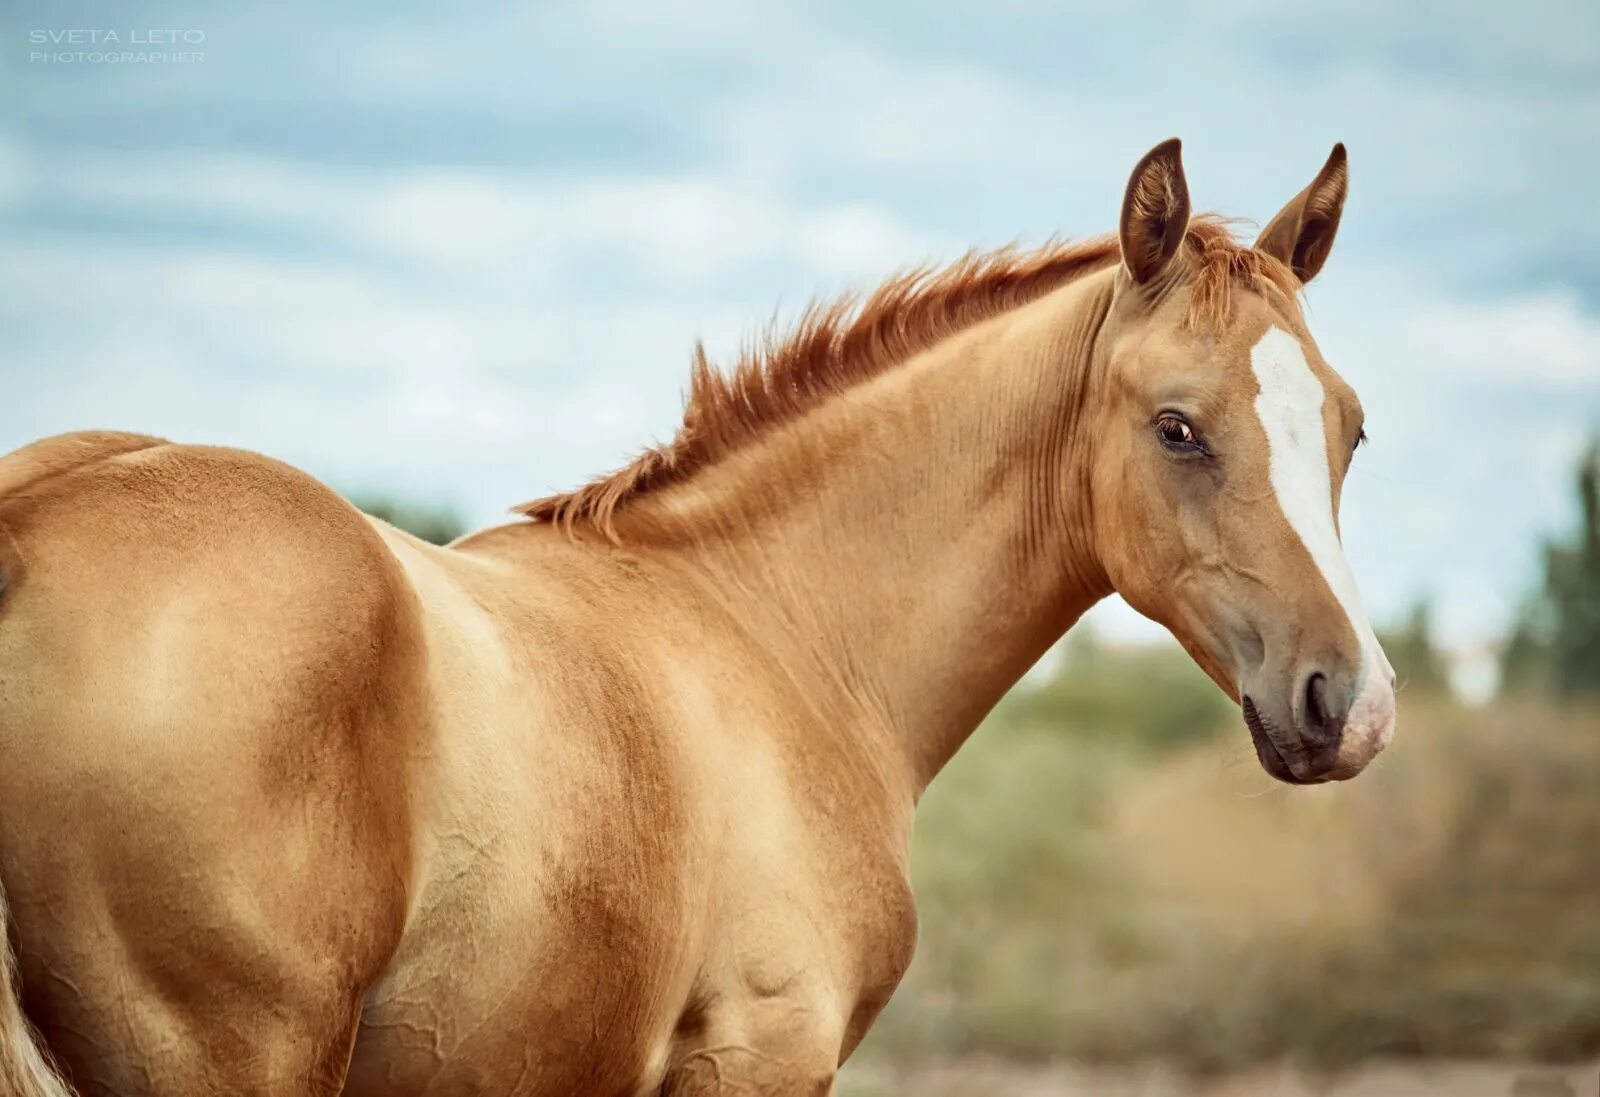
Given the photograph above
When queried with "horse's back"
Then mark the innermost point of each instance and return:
(209, 695)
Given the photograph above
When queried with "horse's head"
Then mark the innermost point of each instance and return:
(1222, 441)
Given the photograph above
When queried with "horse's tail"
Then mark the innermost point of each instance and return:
(25, 1067)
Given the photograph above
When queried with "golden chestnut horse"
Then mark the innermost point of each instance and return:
(616, 800)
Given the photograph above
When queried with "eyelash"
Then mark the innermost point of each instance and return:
(1193, 444)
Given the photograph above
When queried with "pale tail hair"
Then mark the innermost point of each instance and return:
(25, 1067)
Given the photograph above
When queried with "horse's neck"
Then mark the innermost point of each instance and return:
(915, 544)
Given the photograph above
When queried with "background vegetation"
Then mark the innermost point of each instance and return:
(438, 525)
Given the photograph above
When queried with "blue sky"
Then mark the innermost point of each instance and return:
(462, 256)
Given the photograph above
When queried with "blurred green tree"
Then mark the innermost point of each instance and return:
(1410, 648)
(438, 525)
(1149, 695)
(1555, 642)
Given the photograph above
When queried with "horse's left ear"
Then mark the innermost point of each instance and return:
(1302, 233)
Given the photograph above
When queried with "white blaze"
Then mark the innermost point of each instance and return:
(1289, 406)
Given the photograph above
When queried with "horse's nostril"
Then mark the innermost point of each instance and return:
(1322, 725)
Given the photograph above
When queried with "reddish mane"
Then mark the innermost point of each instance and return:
(841, 344)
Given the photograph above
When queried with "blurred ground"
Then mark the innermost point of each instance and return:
(978, 1078)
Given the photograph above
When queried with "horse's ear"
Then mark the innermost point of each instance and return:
(1302, 233)
(1155, 212)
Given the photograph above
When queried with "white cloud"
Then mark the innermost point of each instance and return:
(695, 227)
(1539, 339)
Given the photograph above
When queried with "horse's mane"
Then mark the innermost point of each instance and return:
(845, 342)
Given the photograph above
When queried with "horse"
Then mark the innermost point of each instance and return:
(616, 799)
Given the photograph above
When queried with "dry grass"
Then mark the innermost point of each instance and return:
(991, 1078)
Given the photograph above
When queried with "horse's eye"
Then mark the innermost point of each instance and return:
(1175, 434)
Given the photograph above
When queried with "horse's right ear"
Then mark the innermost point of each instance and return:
(1155, 211)
(1302, 233)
